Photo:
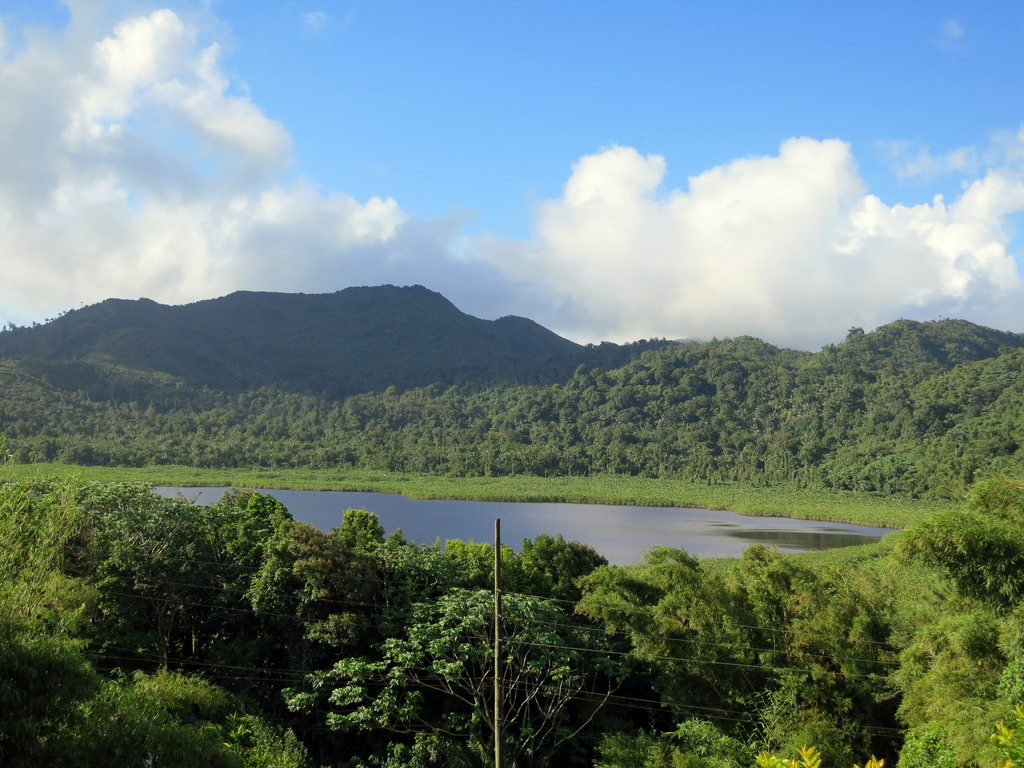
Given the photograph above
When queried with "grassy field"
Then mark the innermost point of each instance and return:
(783, 501)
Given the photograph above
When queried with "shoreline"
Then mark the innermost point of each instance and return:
(744, 499)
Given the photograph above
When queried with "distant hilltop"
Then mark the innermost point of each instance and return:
(356, 340)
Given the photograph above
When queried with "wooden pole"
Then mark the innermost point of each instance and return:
(497, 643)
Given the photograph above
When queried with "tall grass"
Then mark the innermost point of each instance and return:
(782, 501)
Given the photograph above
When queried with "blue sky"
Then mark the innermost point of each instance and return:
(670, 169)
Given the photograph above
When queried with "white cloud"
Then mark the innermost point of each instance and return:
(151, 62)
(951, 36)
(909, 160)
(130, 166)
(315, 20)
(1008, 149)
(789, 247)
(952, 30)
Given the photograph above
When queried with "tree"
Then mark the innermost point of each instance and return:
(681, 622)
(55, 708)
(360, 530)
(980, 548)
(314, 596)
(172, 573)
(961, 670)
(434, 685)
(553, 566)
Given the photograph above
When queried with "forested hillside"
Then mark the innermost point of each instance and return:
(923, 409)
(330, 345)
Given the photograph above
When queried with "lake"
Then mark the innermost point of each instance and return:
(621, 533)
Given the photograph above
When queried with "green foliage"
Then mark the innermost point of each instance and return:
(682, 621)
(43, 679)
(950, 677)
(981, 548)
(161, 719)
(809, 757)
(435, 679)
(552, 566)
(1011, 680)
(637, 749)
(313, 593)
(1011, 740)
(259, 744)
(713, 746)
(796, 656)
(171, 573)
(912, 409)
(349, 648)
(924, 747)
(962, 668)
(56, 709)
(38, 519)
(361, 530)
(694, 744)
(43, 676)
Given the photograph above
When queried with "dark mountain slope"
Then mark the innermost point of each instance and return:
(355, 340)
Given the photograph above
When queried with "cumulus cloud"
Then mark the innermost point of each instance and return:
(131, 166)
(790, 247)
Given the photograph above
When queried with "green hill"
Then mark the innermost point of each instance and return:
(355, 340)
(398, 379)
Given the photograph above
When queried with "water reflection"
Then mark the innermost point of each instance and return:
(621, 533)
(802, 541)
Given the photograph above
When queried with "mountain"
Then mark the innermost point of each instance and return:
(355, 340)
(922, 409)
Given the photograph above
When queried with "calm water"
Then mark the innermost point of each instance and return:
(621, 534)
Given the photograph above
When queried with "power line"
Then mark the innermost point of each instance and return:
(644, 657)
(709, 662)
(354, 621)
(631, 633)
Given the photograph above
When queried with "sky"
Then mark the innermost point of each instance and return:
(659, 170)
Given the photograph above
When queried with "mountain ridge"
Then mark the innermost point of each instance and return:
(336, 344)
(370, 338)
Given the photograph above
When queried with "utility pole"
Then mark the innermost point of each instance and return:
(497, 643)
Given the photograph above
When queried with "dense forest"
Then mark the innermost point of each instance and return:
(920, 409)
(139, 630)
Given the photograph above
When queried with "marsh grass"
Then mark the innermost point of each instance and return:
(780, 501)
